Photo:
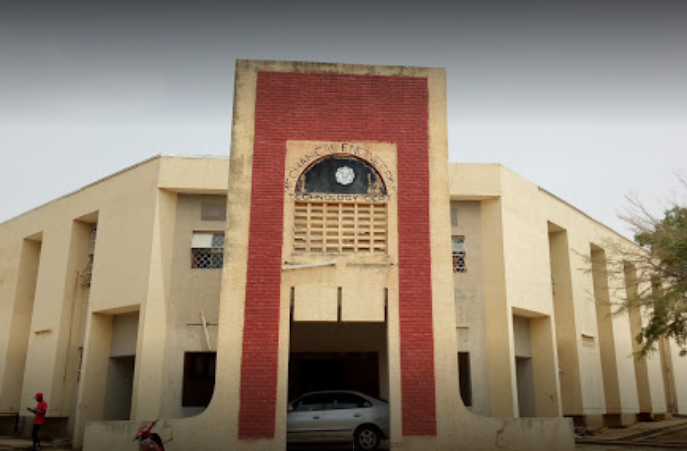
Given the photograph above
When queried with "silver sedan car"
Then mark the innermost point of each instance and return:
(338, 416)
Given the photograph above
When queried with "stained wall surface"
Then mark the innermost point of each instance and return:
(189, 290)
(145, 299)
(60, 337)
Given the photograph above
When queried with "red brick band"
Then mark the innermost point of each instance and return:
(335, 107)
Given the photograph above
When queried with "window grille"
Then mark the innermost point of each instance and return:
(340, 227)
(207, 250)
(458, 247)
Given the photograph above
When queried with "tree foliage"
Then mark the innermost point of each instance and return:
(657, 269)
(666, 243)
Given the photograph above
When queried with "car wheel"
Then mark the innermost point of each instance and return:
(367, 437)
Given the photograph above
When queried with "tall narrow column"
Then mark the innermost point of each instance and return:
(152, 331)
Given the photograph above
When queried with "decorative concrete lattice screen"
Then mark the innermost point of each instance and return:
(340, 228)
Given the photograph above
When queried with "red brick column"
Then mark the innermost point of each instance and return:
(335, 107)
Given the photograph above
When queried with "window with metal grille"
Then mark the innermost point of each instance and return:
(207, 250)
(458, 248)
(340, 227)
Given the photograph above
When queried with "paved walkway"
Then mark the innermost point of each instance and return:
(17, 443)
(659, 435)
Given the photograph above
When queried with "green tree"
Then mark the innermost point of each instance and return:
(666, 243)
(659, 272)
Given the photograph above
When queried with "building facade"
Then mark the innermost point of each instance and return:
(336, 249)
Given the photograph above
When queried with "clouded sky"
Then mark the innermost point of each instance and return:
(586, 99)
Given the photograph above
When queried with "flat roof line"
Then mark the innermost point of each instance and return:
(114, 174)
(545, 191)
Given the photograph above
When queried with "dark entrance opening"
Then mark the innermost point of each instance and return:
(338, 356)
(313, 371)
(350, 361)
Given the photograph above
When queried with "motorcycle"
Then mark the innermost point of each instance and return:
(147, 440)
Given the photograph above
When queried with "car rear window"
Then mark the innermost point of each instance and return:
(348, 401)
(310, 403)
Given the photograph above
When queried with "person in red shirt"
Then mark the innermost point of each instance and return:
(38, 419)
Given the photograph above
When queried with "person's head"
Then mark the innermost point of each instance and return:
(38, 397)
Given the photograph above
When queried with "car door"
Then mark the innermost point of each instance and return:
(304, 419)
(345, 412)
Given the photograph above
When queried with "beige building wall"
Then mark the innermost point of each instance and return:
(468, 289)
(518, 274)
(656, 384)
(566, 325)
(516, 282)
(616, 375)
(621, 385)
(679, 366)
(194, 297)
(651, 365)
(43, 297)
(18, 274)
(529, 282)
(145, 218)
(606, 338)
(626, 373)
(50, 356)
(146, 302)
(483, 183)
(585, 335)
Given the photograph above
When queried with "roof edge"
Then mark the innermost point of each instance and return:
(78, 190)
(107, 177)
(596, 221)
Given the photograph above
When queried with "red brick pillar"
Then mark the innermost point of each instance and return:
(338, 107)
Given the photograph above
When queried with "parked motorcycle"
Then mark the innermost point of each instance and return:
(147, 440)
